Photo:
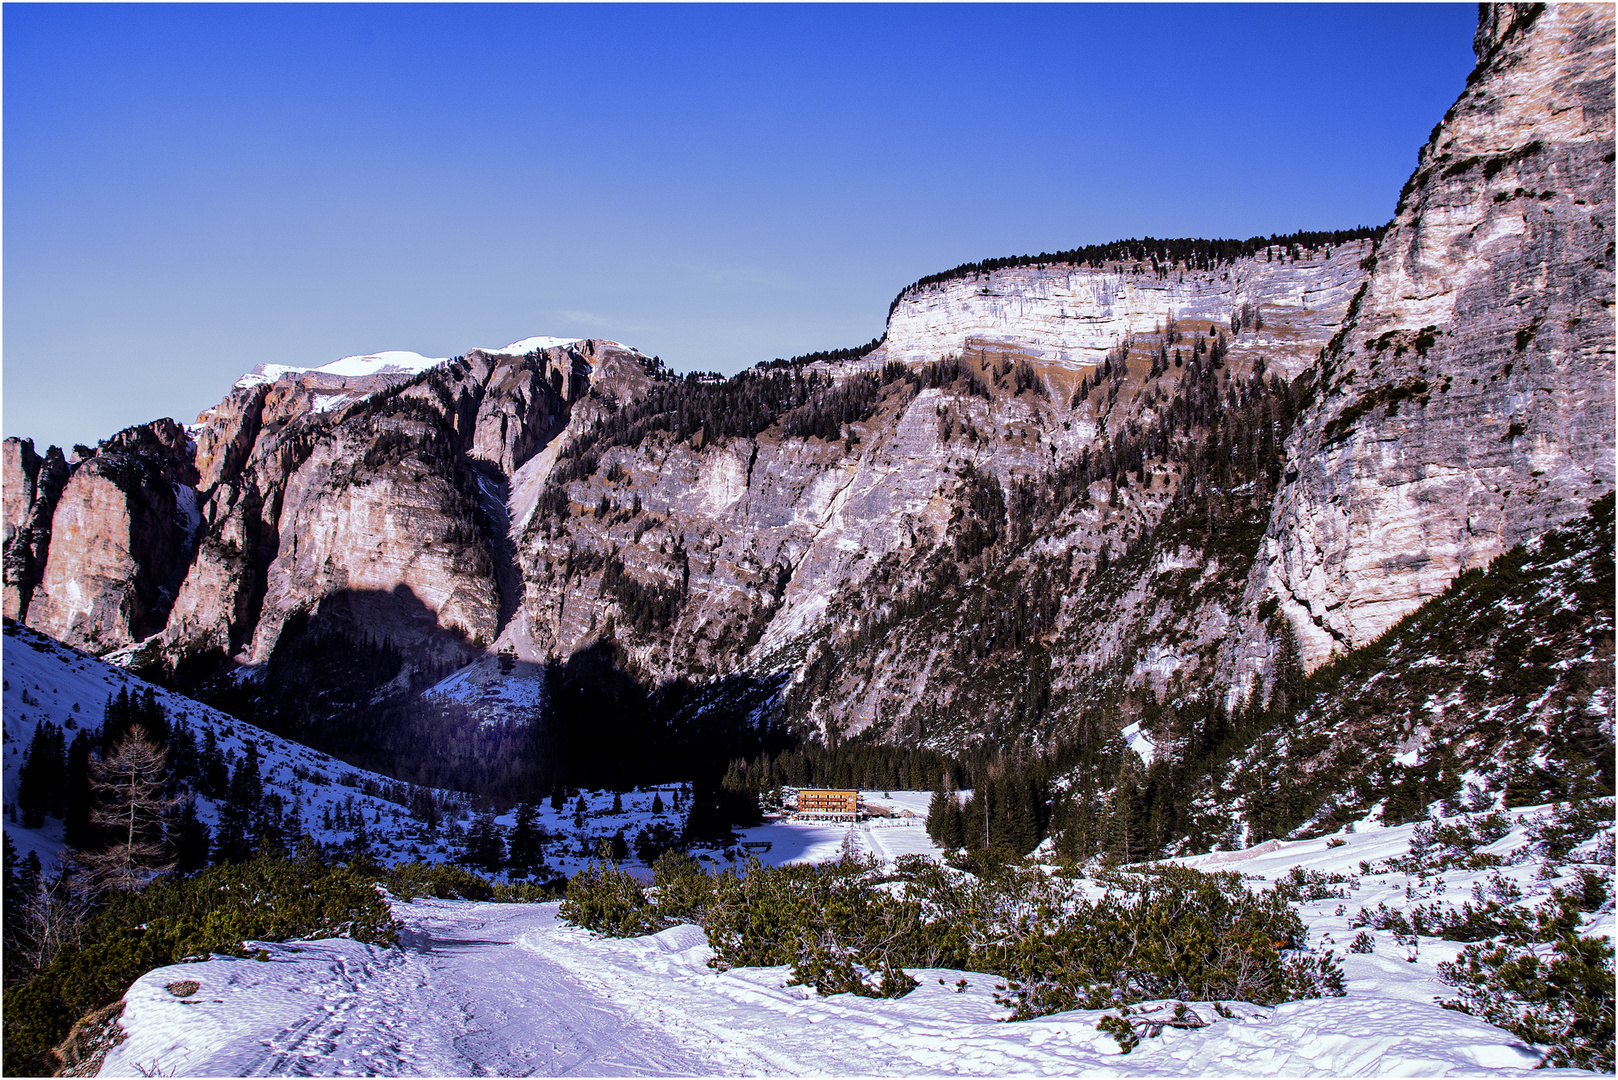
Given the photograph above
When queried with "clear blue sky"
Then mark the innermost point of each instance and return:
(191, 190)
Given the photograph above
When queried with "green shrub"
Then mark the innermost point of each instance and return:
(1571, 824)
(446, 881)
(684, 890)
(852, 927)
(1560, 997)
(443, 881)
(214, 912)
(608, 901)
(1184, 934)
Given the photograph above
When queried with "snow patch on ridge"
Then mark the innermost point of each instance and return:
(531, 344)
(391, 362)
(1138, 742)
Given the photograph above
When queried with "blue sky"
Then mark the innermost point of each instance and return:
(191, 189)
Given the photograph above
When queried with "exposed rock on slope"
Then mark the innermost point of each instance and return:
(1466, 404)
(32, 485)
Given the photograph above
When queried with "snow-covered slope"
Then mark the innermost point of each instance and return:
(390, 362)
(46, 680)
(482, 988)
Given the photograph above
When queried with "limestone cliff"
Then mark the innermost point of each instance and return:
(1070, 316)
(32, 485)
(1466, 404)
(120, 539)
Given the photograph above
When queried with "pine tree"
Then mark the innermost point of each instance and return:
(236, 838)
(937, 811)
(657, 802)
(77, 831)
(40, 781)
(1287, 694)
(214, 774)
(484, 847)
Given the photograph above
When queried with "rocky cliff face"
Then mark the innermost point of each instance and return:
(360, 501)
(120, 539)
(1466, 403)
(1056, 490)
(32, 486)
(1070, 316)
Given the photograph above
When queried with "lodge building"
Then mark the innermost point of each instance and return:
(828, 804)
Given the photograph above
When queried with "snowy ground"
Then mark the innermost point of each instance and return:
(901, 832)
(492, 989)
(509, 989)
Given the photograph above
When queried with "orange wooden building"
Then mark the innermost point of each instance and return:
(828, 804)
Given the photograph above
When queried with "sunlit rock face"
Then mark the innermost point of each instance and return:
(120, 540)
(1467, 402)
(1069, 316)
(32, 484)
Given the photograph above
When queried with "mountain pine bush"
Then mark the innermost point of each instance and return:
(853, 927)
(1557, 995)
(216, 911)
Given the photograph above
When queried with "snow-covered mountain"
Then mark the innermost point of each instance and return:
(397, 362)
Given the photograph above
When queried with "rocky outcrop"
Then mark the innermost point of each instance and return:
(1466, 403)
(363, 502)
(32, 486)
(120, 540)
(524, 403)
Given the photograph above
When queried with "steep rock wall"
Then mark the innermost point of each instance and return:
(32, 486)
(1070, 316)
(120, 540)
(1466, 403)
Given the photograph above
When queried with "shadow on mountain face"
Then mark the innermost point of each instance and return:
(355, 647)
(604, 728)
(331, 683)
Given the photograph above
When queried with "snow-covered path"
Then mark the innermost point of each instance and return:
(462, 997)
(496, 989)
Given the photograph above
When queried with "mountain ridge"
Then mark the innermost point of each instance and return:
(1051, 498)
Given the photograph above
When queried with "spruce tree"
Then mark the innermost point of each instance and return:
(937, 811)
(188, 839)
(41, 778)
(1287, 694)
(484, 847)
(526, 841)
(236, 838)
(77, 831)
